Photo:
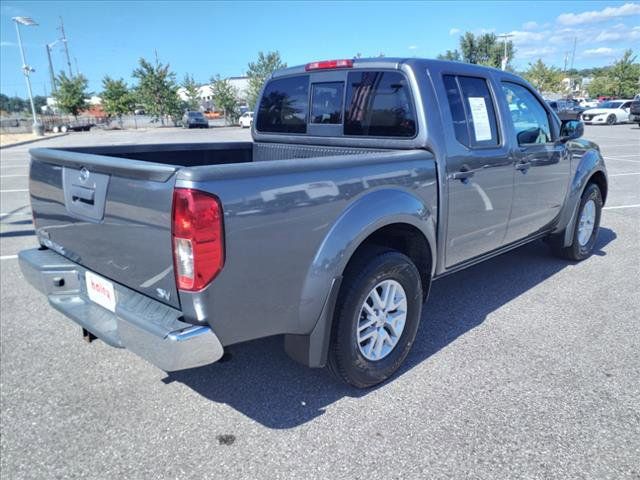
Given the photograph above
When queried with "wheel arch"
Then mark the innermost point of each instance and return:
(590, 169)
(391, 218)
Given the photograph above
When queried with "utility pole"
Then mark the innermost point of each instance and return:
(63, 38)
(27, 70)
(48, 46)
(505, 59)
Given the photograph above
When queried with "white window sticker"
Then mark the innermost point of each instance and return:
(481, 125)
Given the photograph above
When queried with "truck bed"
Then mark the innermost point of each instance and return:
(108, 208)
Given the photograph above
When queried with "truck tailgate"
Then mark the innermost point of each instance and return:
(110, 215)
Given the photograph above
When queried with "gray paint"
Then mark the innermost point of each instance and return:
(296, 207)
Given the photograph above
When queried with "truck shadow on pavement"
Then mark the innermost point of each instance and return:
(263, 383)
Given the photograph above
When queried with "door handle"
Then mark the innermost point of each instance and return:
(463, 175)
(82, 194)
(523, 166)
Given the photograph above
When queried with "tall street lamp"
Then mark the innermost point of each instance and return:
(26, 69)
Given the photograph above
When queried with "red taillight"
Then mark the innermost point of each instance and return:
(329, 64)
(198, 240)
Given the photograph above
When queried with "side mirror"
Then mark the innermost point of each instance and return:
(571, 130)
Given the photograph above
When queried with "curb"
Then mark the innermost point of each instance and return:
(33, 140)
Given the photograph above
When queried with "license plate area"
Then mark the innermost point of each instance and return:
(100, 291)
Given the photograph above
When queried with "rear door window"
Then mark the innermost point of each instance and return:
(326, 102)
(472, 111)
(379, 104)
(284, 106)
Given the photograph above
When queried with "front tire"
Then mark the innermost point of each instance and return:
(376, 318)
(611, 119)
(587, 225)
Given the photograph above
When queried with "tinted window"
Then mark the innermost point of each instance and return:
(472, 111)
(529, 117)
(326, 102)
(378, 104)
(457, 110)
(283, 108)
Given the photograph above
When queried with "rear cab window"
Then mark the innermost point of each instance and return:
(360, 103)
(472, 111)
(284, 105)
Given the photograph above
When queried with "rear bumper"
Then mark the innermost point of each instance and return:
(145, 326)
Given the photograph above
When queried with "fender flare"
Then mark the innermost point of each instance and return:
(365, 216)
(590, 163)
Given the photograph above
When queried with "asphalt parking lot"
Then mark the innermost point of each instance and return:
(524, 367)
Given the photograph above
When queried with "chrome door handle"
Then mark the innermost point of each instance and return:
(523, 166)
(463, 175)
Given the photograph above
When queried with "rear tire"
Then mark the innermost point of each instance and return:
(585, 230)
(611, 119)
(351, 355)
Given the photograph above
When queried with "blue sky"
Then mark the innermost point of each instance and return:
(207, 38)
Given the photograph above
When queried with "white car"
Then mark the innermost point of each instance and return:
(246, 119)
(609, 113)
(586, 103)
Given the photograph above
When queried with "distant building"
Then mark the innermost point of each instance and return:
(241, 84)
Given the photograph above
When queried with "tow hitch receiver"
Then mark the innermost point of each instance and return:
(87, 336)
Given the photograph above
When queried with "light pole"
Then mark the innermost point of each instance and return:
(26, 69)
(505, 59)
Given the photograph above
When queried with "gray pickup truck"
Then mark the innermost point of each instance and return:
(366, 181)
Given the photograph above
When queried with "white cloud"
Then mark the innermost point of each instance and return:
(595, 16)
(535, 53)
(599, 52)
(530, 25)
(413, 47)
(454, 31)
(519, 37)
(608, 36)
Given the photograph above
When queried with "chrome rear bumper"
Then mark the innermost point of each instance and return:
(141, 324)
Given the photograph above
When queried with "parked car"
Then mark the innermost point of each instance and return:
(566, 109)
(586, 102)
(194, 120)
(609, 113)
(327, 232)
(634, 110)
(246, 119)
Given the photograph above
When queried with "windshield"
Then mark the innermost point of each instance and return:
(610, 105)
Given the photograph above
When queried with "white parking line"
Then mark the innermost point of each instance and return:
(8, 257)
(16, 214)
(616, 207)
(14, 191)
(7, 176)
(623, 174)
(621, 159)
(15, 166)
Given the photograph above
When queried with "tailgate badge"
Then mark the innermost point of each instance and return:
(84, 174)
(162, 293)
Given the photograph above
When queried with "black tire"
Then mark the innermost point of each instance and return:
(371, 267)
(575, 251)
(611, 119)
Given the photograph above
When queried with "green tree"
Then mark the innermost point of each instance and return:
(453, 55)
(192, 92)
(225, 97)
(39, 101)
(117, 99)
(600, 85)
(259, 71)
(624, 76)
(544, 78)
(12, 104)
(484, 49)
(72, 93)
(157, 90)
